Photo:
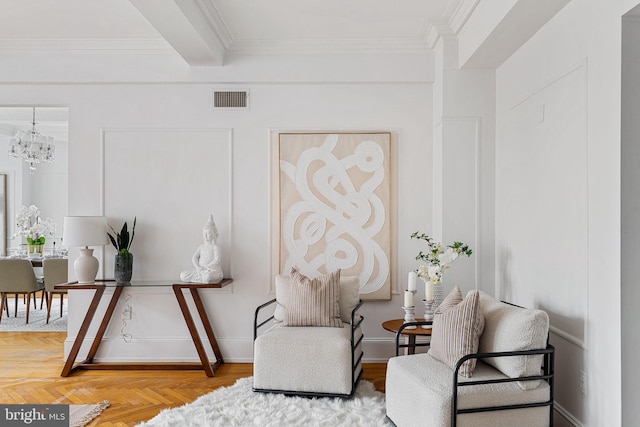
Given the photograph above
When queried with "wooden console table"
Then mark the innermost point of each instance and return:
(100, 285)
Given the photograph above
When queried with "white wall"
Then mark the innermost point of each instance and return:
(558, 198)
(542, 184)
(630, 245)
(101, 112)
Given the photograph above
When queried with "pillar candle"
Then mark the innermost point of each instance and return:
(408, 299)
(412, 281)
(428, 290)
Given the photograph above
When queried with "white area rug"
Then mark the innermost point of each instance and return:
(37, 317)
(239, 406)
(81, 415)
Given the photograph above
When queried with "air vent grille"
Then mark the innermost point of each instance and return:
(230, 99)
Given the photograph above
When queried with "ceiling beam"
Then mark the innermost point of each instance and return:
(495, 30)
(192, 27)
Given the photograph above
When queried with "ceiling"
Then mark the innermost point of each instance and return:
(207, 32)
(215, 33)
(204, 31)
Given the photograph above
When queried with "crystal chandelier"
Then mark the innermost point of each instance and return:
(32, 146)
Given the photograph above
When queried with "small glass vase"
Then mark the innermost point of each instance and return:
(123, 267)
(35, 249)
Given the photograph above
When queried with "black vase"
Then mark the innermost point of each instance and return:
(123, 267)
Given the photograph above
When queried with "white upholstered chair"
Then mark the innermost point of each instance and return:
(511, 385)
(17, 277)
(308, 360)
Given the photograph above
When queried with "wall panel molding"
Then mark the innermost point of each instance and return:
(535, 113)
(206, 149)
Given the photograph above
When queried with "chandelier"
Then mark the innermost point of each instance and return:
(32, 146)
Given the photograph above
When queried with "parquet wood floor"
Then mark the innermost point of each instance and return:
(30, 365)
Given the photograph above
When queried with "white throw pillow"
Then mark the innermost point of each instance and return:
(510, 328)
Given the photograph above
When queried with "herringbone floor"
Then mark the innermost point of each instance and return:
(30, 365)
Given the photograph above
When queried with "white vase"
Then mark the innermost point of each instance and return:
(438, 295)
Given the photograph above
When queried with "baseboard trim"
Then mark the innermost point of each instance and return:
(567, 415)
(181, 349)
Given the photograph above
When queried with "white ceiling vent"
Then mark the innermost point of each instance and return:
(231, 99)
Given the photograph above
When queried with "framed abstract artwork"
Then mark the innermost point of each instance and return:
(331, 204)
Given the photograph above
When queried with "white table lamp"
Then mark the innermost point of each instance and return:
(85, 231)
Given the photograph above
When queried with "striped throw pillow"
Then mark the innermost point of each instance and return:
(313, 302)
(457, 326)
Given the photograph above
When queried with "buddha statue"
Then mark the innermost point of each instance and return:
(207, 258)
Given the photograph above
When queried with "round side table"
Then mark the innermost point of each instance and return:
(411, 334)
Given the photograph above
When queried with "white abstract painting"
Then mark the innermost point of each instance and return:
(333, 207)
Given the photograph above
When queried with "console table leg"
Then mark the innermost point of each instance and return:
(193, 331)
(68, 366)
(105, 322)
(207, 325)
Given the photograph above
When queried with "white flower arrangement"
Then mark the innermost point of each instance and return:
(34, 228)
(437, 261)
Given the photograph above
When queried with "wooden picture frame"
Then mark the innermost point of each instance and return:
(331, 205)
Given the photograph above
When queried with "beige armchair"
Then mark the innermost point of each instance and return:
(511, 384)
(17, 277)
(308, 360)
(55, 271)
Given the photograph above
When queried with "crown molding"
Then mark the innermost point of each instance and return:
(310, 46)
(70, 45)
(418, 44)
(215, 21)
(462, 13)
(458, 14)
(435, 32)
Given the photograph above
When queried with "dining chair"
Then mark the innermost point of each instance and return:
(17, 277)
(55, 272)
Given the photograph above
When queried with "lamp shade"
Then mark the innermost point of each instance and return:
(84, 231)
